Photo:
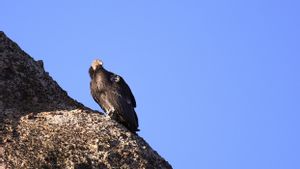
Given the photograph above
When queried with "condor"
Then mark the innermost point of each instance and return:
(113, 95)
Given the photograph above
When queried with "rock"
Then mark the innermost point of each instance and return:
(42, 127)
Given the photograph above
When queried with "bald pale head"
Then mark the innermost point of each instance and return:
(96, 64)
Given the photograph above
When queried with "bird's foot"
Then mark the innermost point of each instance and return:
(110, 111)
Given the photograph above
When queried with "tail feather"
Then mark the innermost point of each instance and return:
(129, 120)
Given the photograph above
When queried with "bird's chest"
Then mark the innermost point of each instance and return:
(102, 83)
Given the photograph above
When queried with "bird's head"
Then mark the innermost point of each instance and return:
(96, 64)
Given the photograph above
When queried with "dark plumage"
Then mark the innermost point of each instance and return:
(113, 95)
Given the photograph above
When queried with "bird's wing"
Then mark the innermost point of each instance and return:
(123, 88)
(125, 111)
(96, 94)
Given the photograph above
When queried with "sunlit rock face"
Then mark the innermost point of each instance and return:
(42, 127)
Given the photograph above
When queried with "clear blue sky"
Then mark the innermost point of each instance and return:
(216, 82)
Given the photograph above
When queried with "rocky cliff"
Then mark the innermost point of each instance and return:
(42, 127)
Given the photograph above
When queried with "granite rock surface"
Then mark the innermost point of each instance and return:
(42, 127)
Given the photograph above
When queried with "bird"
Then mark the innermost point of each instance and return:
(113, 95)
